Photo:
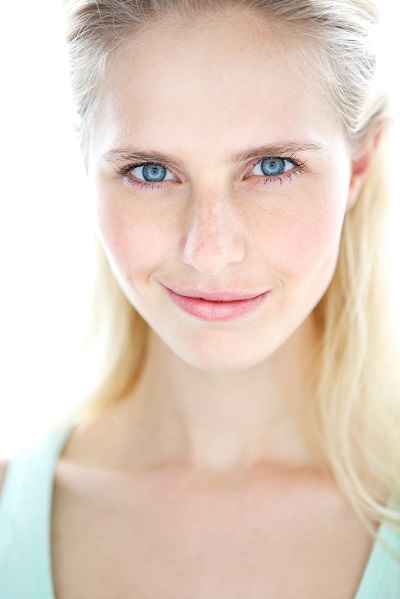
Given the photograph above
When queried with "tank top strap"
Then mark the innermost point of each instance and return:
(381, 578)
(25, 519)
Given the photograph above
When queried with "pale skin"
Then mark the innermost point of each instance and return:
(221, 396)
(199, 484)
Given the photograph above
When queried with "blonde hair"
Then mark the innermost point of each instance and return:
(354, 416)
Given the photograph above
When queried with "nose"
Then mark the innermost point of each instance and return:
(214, 238)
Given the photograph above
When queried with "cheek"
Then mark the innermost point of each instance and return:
(134, 239)
(316, 240)
(307, 239)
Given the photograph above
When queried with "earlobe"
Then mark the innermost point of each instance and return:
(361, 166)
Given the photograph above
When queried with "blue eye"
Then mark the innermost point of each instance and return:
(272, 170)
(272, 167)
(152, 173)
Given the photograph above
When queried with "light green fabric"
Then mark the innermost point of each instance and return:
(25, 510)
(381, 579)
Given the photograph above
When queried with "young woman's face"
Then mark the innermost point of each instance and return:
(183, 212)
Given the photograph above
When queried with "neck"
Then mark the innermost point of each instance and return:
(224, 422)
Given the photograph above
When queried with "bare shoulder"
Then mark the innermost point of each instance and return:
(3, 468)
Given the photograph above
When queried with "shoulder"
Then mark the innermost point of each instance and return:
(3, 468)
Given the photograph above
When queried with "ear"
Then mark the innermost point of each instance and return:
(361, 166)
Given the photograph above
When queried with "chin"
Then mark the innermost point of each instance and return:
(221, 353)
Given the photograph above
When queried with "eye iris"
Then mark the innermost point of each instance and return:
(273, 166)
(153, 172)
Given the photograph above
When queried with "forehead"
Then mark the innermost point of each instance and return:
(213, 79)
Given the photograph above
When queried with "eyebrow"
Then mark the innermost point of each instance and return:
(272, 151)
(269, 151)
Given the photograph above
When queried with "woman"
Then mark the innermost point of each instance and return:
(244, 440)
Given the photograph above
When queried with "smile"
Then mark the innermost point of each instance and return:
(217, 310)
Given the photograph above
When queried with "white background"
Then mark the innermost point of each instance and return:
(44, 227)
(45, 249)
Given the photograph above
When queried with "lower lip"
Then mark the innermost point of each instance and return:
(217, 311)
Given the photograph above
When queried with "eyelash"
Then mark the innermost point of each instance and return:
(266, 180)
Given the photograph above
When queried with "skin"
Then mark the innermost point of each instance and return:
(219, 398)
(199, 484)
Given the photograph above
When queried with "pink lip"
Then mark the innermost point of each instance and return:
(221, 306)
(214, 296)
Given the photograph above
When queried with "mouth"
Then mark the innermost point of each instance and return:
(215, 296)
(216, 305)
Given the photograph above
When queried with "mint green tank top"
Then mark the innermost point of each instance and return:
(25, 515)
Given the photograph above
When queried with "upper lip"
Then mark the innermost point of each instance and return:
(215, 295)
